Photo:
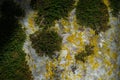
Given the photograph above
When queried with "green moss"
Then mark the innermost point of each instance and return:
(92, 13)
(12, 59)
(82, 55)
(51, 10)
(46, 42)
(10, 12)
(115, 5)
(11, 9)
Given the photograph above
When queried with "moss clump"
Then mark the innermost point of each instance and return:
(46, 42)
(9, 14)
(115, 5)
(51, 10)
(82, 55)
(92, 13)
(12, 59)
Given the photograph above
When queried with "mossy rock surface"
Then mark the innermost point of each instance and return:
(46, 42)
(51, 10)
(83, 55)
(115, 5)
(92, 13)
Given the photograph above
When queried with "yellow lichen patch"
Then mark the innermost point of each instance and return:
(66, 29)
(65, 76)
(91, 59)
(80, 63)
(114, 55)
(105, 45)
(79, 39)
(92, 32)
(96, 50)
(75, 25)
(79, 42)
(95, 65)
(34, 66)
(64, 22)
(68, 63)
(94, 41)
(31, 23)
(71, 38)
(109, 72)
(68, 57)
(64, 47)
(107, 62)
(106, 2)
(49, 67)
(106, 51)
(79, 76)
(80, 49)
(79, 34)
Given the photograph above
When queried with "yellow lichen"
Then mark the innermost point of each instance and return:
(91, 59)
(68, 57)
(106, 2)
(109, 72)
(34, 66)
(66, 29)
(92, 32)
(31, 22)
(95, 65)
(107, 62)
(49, 67)
(114, 55)
(75, 26)
(71, 38)
(64, 22)
(94, 41)
(96, 49)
